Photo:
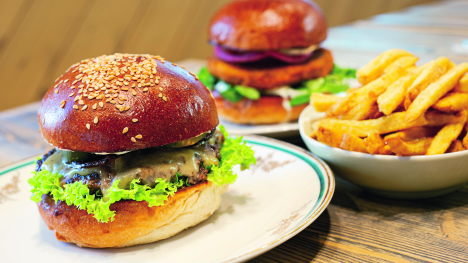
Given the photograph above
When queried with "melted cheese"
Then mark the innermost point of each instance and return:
(146, 165)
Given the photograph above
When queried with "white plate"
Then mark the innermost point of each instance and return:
(270, 203)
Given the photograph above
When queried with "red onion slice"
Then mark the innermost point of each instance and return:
(238, 58)
(256, 56)
(292, 59)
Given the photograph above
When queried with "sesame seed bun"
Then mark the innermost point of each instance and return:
(135, 223)
(268, 25)
(266, 110)
(270, 75)
(134, 102)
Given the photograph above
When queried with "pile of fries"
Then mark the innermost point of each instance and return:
(401, 109)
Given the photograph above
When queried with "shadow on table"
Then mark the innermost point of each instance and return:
(303, 247)
(354, 198)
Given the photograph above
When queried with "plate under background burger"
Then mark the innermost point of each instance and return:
(267, 60)
(137, 154)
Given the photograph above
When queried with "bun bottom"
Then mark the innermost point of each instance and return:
(135, 223)
(266, 110)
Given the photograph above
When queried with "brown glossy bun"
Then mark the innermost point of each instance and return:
(272, 74)
(268, 25)
(159, 101)
(135, 223)
(266, 110)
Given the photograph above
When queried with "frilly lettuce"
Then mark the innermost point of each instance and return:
(234, 152)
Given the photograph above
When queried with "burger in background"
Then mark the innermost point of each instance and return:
(268, 61)
(137, 154)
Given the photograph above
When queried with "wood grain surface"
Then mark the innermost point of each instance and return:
(357, 226)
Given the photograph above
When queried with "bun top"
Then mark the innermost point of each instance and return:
(125, 102)
(268, 25)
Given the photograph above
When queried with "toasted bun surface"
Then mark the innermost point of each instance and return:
(266, 110)
(135, 223)
(134, 102)
(268, 75)
(268, 25)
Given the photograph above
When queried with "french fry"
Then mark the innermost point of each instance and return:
(417, 133)
(465, 141)
(351, 142)
(446, 136)
(329, 137)
(437, 118)
(375, 67)
(386, 150)
(456, 146)
(402, 148)
(431, 73)
(374, 143)
(375, 88)
(462, 85)
(452, 102)
(322, 102)
(402, 62)
(435, 91)
(362, 110)
(382, 125)
(395, 94)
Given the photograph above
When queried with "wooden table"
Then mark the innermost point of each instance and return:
(357, 226)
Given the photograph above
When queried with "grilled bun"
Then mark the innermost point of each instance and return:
(268, 25)
(135, 223)
(156, 104)
(270, 75)
(265, 110)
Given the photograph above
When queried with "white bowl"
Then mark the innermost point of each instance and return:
(390, 176)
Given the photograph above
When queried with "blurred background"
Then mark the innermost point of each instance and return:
(40, 39)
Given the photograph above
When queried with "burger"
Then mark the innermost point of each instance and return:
(267, 60)
(138, 156)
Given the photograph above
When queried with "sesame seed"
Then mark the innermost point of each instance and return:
(134, 93)
(62, 104)
(88, 126)
(125, 130)
(145, 89)
(135, 120)
(75, 107)
(139, 85)
(164, 98)
(101, 104)
(192, 74)
(74, 82)
(160, 88)
(81, 102)
(65, 81)
(56, 91)
(84, 107)
(71, 94)
(72, 87)
(121, 102)
(133, 139)
(139, 136)
(160, 95)
(127, 108)
(124, 88)
(95, 106)
(96, 120)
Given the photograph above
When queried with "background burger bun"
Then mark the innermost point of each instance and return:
(135, 223)
(178, 108)
(268, 25)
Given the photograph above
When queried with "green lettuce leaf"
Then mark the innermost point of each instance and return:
(234, 152)
(206, 78)
(248, 92)
(44, 182)
(227, 91)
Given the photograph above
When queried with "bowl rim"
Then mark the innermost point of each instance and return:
(305, 137)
